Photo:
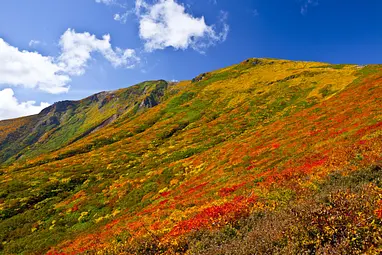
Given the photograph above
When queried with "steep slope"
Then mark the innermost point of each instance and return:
(216, 149)
(66, 122)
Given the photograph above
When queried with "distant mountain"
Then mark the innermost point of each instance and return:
(68, 121)
(264, 157)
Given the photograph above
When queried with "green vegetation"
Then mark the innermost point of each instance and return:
(266, 156)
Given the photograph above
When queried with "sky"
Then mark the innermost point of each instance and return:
(69, 49)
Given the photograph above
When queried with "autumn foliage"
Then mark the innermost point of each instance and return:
(201, 165)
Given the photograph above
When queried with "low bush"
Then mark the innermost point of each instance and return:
(342, 216)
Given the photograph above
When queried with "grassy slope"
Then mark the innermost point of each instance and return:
(263, 130)
(68, 121)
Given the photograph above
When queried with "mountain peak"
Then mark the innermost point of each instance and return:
(59, 107)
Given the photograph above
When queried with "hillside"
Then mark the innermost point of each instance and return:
(66, 122)
(225, 163)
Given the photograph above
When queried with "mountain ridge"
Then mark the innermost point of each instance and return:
(51, 118)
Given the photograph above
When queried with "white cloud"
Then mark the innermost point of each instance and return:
(122, 17)
(117, 17)
(10, 107)
(52, 75)
(33, 43)
(31, 70)
(166, 24)
(77, 49)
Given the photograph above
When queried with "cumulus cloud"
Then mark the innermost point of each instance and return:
(77, 49)
(53, 75)
(10, 107)
(31, 70)
(167, 24)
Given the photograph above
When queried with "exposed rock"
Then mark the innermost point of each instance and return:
(59, 107)
(199, 78)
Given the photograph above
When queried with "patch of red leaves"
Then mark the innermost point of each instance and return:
(215, 216)
(224, 192)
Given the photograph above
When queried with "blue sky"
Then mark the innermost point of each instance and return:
(56, 50)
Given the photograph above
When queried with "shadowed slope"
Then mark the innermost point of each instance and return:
(68, 121)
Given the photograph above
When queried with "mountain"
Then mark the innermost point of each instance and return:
(267, 156)
(68, 121)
